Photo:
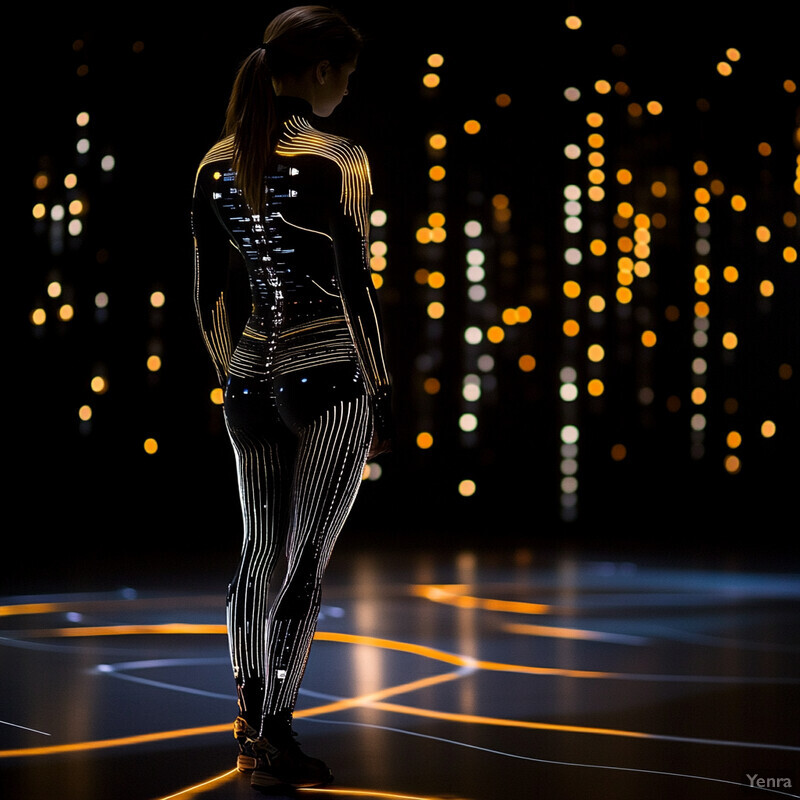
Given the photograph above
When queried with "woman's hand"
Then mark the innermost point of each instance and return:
(378, 447)
(383, 431)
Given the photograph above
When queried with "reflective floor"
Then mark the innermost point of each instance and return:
(460, 676)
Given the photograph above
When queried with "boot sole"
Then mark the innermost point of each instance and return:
(265, 780)
(246, 763)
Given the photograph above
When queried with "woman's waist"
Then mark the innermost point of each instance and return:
(275, 351)
(288, 325)
(284, 309)
(326, 338)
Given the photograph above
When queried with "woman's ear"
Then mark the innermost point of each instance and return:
(321, 72)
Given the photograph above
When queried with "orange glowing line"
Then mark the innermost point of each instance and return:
(373, 697)
(390, 644)
(183, 628)
(169, 628)
(367, 793)
(454, 595)
(211, 729)
(201, 787)
(78, 605)
(449, 594)
(30, 608)
(365, 700)
(507, 723)
(558, 633)
(453, 658)
(372, 700)
(123, 741)
(495, 666)
(326, 636)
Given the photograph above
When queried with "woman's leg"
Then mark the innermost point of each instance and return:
(262, 448)
(331, 453)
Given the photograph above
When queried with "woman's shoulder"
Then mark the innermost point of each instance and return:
(222, 151)
(300, 138)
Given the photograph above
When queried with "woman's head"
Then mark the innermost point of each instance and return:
(302, 37)
(308, 52)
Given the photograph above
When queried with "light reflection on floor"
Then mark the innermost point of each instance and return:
(432, 677)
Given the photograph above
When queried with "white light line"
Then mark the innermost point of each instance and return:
(24, 728)
(172, 686)
(301, 228)
(159, 664)
(549, 761)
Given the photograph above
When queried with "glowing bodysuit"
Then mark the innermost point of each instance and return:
(305, 385)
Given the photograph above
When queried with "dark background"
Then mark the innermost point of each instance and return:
(86, 490)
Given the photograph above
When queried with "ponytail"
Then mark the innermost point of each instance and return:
(251, 120)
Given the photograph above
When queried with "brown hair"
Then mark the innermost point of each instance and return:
(295, 40)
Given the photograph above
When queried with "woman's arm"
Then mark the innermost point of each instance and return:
(349, 228)
(211, 256)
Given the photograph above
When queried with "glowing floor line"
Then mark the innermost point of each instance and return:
(172, 687)
(371, 793)
(549, 761)
(723, 596)
(548, 726)
(226, 776)
(24, 728)
(374, 700)
(146, 738)
(118, 671)
(200, 787)
(176, 628)
(121, 741)
(578, 634)
(494, 666)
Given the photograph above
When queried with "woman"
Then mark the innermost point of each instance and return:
(307, 392)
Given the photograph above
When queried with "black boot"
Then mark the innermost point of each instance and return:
(280, 761)
(250, 696)
(246, 737)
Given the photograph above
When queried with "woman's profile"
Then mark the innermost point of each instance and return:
(306, 387)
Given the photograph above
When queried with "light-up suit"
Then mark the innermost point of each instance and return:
(306, 383)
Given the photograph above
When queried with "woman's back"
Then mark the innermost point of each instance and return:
(306, 253)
